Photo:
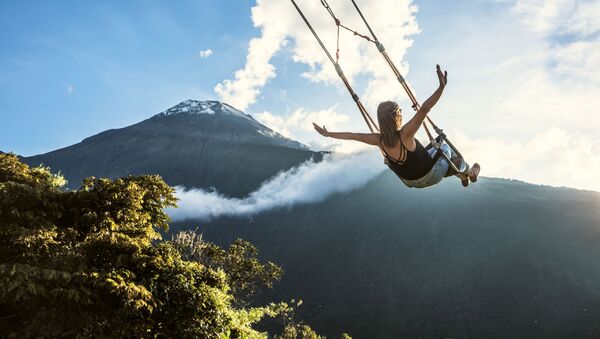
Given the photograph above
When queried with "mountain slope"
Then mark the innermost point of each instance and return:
(501, 259)
(202, 144)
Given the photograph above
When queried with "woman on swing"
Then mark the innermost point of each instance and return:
(404, 155)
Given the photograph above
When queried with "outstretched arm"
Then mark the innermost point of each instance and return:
(367, 138)
(412, 126)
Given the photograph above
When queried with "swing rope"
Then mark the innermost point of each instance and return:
(365, 114)
(380, 47)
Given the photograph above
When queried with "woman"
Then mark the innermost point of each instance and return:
(404, 154)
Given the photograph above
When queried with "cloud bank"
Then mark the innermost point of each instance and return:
(553, 156)
(308, 183)
(525, 102)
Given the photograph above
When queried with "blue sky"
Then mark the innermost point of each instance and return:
(123, 60)
(524, 74)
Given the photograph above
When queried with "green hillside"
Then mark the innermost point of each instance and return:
(501, 259)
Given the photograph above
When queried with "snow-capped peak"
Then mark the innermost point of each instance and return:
(204, 107)
(215, 108)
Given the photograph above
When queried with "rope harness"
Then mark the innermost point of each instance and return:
(434, 142)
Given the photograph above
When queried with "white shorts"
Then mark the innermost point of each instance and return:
(437, 172)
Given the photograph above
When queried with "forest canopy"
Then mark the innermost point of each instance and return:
(92, 262)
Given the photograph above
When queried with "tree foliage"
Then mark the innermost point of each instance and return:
(89, 263)
(245, 273)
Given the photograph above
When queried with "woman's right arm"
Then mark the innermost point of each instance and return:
(412, 126)
(367, 138)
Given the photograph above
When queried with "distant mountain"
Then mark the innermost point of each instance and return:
(202, 144)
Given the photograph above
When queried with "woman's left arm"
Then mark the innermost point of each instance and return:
(367, 138)
(413, 125)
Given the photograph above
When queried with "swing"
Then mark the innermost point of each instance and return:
(436, 142)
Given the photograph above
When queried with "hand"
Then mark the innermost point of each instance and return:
(442, 77)
(322, 130)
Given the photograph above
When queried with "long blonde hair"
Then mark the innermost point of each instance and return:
(388, 126)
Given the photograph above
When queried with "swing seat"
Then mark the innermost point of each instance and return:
(456, 159)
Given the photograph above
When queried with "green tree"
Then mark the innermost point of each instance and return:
(245, 273)
(88, 263)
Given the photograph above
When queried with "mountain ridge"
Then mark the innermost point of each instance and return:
(196, 144)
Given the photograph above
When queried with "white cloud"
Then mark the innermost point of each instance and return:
(543, 16)
(205, 53)
(586, 19)
(276, 123)
(571, 29)
(389, 18)
(299, 126)
(553, 157)
(560, 16)
(243, 90)
(300, 121)
(70, 89)
(308, 183)
(525, 102)
(580, 59)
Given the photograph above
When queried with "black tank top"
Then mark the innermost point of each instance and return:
(415, 165)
